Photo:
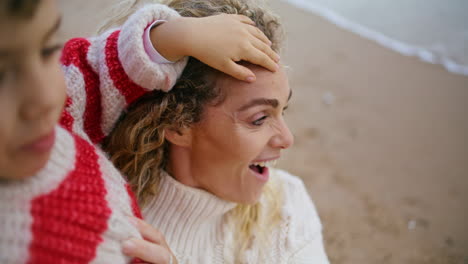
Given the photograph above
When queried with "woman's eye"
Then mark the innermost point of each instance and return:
(259, 121)
(47, 52)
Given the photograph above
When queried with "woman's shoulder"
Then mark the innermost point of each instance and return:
(299, 215)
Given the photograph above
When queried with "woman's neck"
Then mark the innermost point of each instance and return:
(180, 166)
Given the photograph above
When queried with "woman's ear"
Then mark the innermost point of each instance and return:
(181, 137)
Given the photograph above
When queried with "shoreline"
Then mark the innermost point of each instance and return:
(398, 46)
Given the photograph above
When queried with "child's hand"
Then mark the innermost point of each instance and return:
(152, 248)
(219, 41)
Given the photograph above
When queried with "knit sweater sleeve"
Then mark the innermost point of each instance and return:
(304, 242)
(106, 73)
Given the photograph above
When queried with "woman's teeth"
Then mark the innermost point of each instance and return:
(270, 163)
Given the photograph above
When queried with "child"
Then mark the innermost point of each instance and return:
(61, 200)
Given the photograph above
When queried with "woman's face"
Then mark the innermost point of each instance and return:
(236, 140)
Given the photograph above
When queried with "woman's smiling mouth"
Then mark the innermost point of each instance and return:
(261, 169)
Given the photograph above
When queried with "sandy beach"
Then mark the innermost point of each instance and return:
(381, 141)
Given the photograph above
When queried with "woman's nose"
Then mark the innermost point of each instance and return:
(284, 138)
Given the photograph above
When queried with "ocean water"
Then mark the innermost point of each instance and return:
(436, 31)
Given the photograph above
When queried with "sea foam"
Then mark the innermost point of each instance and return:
(434, 31)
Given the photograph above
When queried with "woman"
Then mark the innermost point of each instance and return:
(199, 158)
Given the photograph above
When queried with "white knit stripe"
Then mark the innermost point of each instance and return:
(75, 80)
(113, 104)
(112, 101)
(16, 199)
(135, 61)
(96, 51)
(119, 227)
(16, 222)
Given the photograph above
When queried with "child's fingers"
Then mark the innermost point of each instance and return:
(146, 251)
(258, 57)
(266, 49)
(148, 232)
(245, 19)
(238, 71)
(259, 34)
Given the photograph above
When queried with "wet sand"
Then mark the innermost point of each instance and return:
(381, 141)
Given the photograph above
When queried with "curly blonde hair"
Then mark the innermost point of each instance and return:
(137, 146)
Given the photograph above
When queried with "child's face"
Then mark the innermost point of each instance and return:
(32, 89)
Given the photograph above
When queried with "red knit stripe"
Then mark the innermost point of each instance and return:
(68, 223)
(135, 208)
(130, 90)
(75, 52)
(66, 119)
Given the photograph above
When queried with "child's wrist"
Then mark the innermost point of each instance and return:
(169, 39)
(150, 50)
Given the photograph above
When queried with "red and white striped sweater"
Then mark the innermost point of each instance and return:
(75, 210)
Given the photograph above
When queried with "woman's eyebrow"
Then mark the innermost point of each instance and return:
(262, 101)
(53, 29)
(259, 101)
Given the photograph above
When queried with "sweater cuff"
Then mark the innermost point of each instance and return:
(154, 55)
(141, 69)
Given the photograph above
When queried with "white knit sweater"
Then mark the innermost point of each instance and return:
(194, 224)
